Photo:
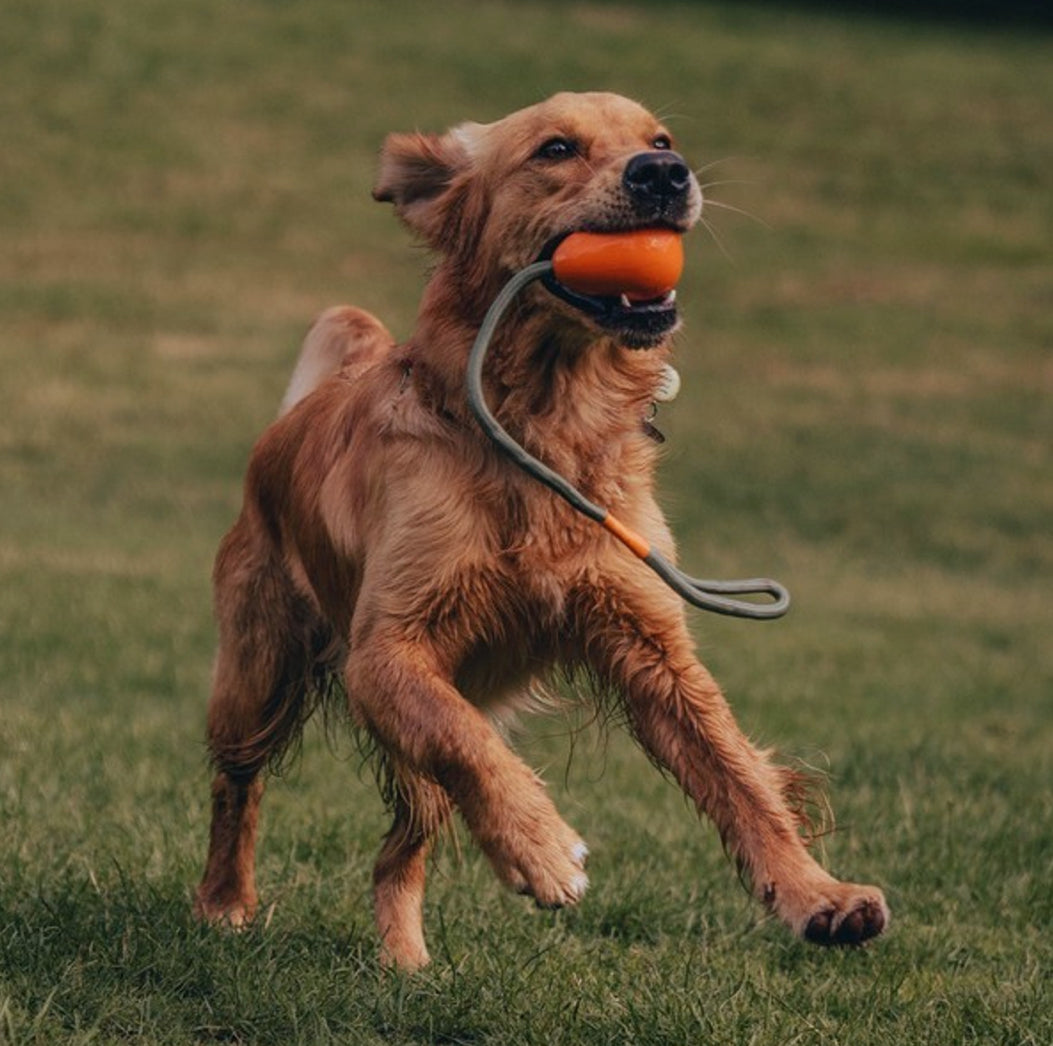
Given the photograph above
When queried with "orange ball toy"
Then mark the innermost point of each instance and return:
(641, 264)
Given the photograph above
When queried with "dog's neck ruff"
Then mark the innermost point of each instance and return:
(715, 596)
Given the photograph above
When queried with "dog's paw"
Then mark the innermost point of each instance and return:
(857, 914)
(233, 915)
(573, 889)
(404, 953)
(554, 874)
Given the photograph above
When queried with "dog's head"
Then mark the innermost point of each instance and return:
(494, 197)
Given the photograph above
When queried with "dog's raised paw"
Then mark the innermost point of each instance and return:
(867, 918)
(555, 877)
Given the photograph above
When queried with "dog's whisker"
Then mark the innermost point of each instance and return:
(714, 163)
(725, 181)
(671, 116)
(710, 202)
(588, 164)
(717, 240)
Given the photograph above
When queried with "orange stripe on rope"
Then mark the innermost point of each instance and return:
(632, 541)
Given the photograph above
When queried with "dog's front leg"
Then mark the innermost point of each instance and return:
(636, 640)
(401, 690)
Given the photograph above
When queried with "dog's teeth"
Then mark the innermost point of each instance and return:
(667, 299)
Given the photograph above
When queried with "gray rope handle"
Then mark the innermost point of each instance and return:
(702, 593)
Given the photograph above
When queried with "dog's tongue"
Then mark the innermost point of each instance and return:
(642, 264)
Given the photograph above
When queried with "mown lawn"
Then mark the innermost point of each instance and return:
(867, 414)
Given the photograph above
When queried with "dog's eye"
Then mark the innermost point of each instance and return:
(557, 149)
(662, 141)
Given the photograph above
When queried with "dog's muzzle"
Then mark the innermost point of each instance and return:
(660, 193)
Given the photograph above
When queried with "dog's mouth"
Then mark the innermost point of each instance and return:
(636, 323)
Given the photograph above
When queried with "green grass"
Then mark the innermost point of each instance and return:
(867, 415)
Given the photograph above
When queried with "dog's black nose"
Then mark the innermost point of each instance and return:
(657, 177)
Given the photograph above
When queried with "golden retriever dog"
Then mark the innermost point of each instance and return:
(385, 545)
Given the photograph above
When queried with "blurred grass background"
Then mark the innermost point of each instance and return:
(866, 414)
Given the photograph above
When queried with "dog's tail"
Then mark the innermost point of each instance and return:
(343, 340)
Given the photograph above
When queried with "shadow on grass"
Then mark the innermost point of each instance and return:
(127, 959)
(124, 960)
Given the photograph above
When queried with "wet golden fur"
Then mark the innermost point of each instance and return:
(384, 539)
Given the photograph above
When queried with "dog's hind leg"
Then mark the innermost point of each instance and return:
(256, 708)
(227, 892)
(421, 809)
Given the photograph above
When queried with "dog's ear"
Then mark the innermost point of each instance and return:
(417, 174)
